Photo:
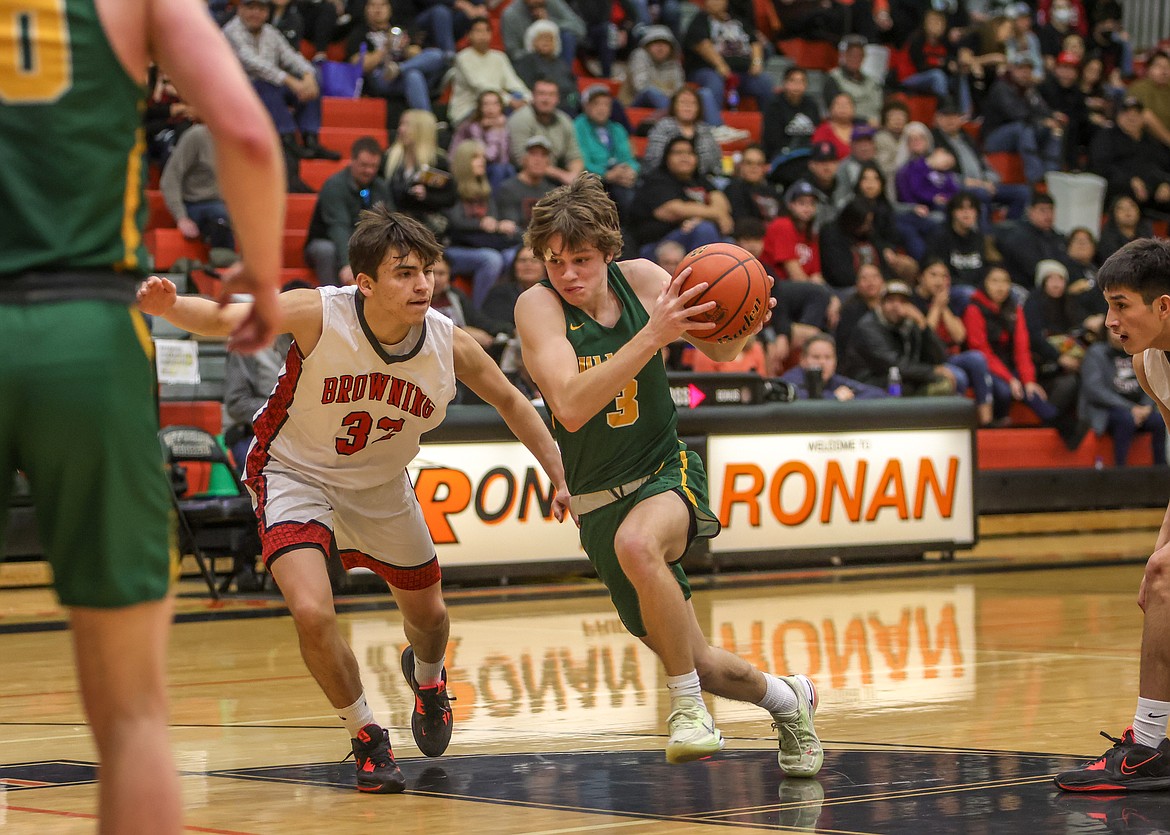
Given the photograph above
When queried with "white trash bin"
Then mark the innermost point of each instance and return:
(1079, 199)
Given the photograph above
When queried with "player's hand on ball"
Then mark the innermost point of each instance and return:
(673, 315)
(156, 296)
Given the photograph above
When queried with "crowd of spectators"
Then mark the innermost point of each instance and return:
(894, 243)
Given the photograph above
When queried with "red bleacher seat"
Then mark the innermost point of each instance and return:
(1008, 165)
(158, 215)
(316, 171)
(810, 55)
(751, 121)
(922, 108)
(638, 145)
(298, 210)
(168, 245)
(1002, 449)
(288, 274)
(637, 115)
(342, 139)
(294, 244)
(584, 82)
(369, 113)
(206, 414)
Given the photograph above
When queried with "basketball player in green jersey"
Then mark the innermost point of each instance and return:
(77, 408)
(1136, 284)
(591, 336)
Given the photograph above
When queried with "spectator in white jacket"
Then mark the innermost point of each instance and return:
(479, 68)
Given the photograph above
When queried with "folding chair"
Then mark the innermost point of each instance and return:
(210, 525)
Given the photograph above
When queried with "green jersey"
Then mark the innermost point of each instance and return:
(632, 436)
(71, 146)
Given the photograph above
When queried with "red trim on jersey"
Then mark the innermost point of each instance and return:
(414, 578)
(288, 536)
(267, 426)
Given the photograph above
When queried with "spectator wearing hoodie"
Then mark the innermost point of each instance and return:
(655, 73)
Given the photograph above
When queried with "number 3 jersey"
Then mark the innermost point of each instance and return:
(350, 414)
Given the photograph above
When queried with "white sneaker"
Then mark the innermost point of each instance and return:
(693, 734)
(800, 754)
(725, 134)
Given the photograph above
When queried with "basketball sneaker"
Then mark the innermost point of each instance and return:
(800, 754)
(430, 722)
(693, 734)
(377, 772)
(1128, 766)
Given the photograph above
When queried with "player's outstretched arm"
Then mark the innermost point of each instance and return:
(299, 312)
(575, 396)
(193, 52)
(477, 370)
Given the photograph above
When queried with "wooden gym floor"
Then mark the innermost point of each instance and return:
(951, 692)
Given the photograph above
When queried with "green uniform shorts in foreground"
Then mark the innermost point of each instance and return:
(78, 416)
(683, 473)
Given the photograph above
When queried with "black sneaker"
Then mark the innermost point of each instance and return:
(1126, 767)
(431, 719)
(377, 772)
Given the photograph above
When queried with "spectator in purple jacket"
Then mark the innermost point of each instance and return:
(928, 180)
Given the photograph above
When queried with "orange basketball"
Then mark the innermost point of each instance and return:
(738, 286)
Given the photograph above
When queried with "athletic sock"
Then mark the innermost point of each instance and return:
(428, 673)
(685, 685)
(356, 716)
(778, 696)
(1149, 722)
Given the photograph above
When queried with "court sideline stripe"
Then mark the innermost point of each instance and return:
(32, 810)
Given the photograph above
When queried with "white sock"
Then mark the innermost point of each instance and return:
(685, 685)
(428, 673)
(356, 716)
(778, 696)
(1149, 722)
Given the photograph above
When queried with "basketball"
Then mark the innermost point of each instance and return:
(738, 284)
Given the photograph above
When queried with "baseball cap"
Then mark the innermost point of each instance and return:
(801, 188)
(854, 40)
(1068, 59)
(593, 91)
(823, 151)
(897, 288)
(538, 142)
(863, 132)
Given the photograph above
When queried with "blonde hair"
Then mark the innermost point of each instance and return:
(426, 142)
(581, 214)
(471, 187)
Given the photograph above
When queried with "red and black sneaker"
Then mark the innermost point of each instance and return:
(377, 772)
(431, 719)
(1126, 767)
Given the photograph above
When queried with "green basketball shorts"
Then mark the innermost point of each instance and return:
(682, 473)
(78, 415)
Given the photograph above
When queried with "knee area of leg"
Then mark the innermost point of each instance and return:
(313, 619)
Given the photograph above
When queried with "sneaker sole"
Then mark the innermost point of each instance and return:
(396, 786)
(1152, 784)
(691, 751)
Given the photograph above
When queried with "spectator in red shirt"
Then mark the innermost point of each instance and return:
(791, 247)
(996, 328)
(838, 126)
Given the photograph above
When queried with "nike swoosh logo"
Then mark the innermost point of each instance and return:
(576, 327)
(1127, 769)
(1156, 716)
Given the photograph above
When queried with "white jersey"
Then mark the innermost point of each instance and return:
(1157, 367)
(350, 414)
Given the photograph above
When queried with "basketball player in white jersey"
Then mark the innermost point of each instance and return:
(372, 367)
(1136, 283)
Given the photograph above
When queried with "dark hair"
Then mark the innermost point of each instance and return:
(1158, 53)
(1081, 230)
(677, 140)
(1142, 266)
(475, 21)
(749, 227)
(870, 166)
(963, 199)
(821, 336)
(894, 104)
(793, 70)
(380, 231)
(1041, 198)
(679, 93)
(853, 216)
(477, 114)
(365, 145)
(581, 214)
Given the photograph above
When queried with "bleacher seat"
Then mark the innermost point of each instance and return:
(363, 113)
(810, 55)
(316, 171)
(638, 146)
(637, 115)
(342, 139)
(1004, 449)
(304, 274)
(298, 210)
(168, 245)
(921, 108)
(751, 121)
(206, 414)
(584, 82)
(158, 215)
(1008, 165)
(294, 244)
